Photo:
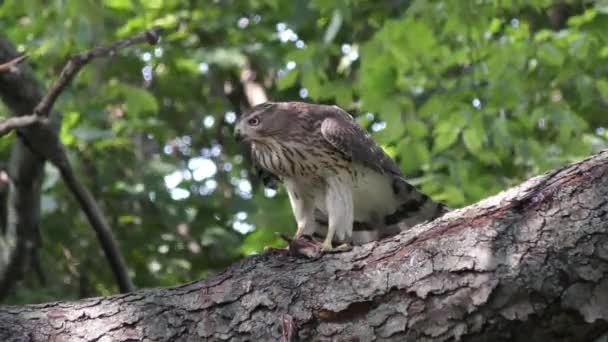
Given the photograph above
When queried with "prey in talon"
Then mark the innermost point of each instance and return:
(335, 174)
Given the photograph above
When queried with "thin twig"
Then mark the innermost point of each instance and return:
(10, 65)
(100, 225)
(16, 122)
(76, 63)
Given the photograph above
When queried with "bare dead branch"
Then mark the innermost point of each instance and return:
(10, 65)
(254, 91)
(16, 122)
(76, 63)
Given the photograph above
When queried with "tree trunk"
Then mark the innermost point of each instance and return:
(529, 264)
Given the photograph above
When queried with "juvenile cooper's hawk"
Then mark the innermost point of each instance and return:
(334, 172)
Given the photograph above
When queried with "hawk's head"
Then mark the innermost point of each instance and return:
(268, 120)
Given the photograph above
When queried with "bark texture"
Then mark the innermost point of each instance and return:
(20, 92)
(529, 264)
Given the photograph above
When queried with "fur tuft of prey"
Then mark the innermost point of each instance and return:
(341, 185)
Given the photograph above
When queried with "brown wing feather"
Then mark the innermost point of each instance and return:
(343, 132)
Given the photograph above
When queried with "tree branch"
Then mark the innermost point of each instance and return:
(100, 225)
(513, 267)
(12, 64)
(20, 92)
(76, 63)
(16, 122)
(40, 135)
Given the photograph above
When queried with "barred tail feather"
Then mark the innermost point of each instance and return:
(414, 206)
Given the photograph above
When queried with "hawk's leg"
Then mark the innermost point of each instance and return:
(302, 207)
(340, 212)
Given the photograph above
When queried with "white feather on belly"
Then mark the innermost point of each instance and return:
(373, 196)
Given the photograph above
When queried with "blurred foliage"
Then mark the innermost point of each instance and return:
(470, 97)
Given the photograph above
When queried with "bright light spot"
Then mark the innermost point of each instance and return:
(303, 93)
(369, 116)
(378, 126)
(209, 186)
(241, 216)
(167, 237)
(227, 167)
(202, 168)
(147, 73)
(290, 65)
(154, 266)
(242, 227)
(345, 48)
(209, 121)
(158, 52)
(556, 96)
(203, 68)
(270, 193)
(476, 103)
(163, 249)
(514, 22)
(167, 149)
(146, 56)
(173, 179)
(257, 18)
(281, 27)
(230, 117)
(243, 22)
(288, 36)
(300, 44)
(179, 194)
(600, 130)
(417, 90)
(216, 150)
(541, 123)
(533, 63)
(244, 188)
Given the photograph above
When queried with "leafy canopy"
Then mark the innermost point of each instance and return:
(470, 97)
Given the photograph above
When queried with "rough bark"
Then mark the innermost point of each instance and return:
(20, 92)
(530, 263)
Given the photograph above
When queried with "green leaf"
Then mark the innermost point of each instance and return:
(118, 4)
(415, 128)
(602, 87)
(550, 54)
(91, 133)
(288, 80)
(414, 156)
(473, 139)
(445, 140)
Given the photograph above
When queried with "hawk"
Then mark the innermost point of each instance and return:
(337, 177)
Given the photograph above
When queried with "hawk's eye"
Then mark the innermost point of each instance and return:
(254, 121)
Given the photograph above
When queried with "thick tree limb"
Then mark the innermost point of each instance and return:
(20, 92)
(529, 264)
